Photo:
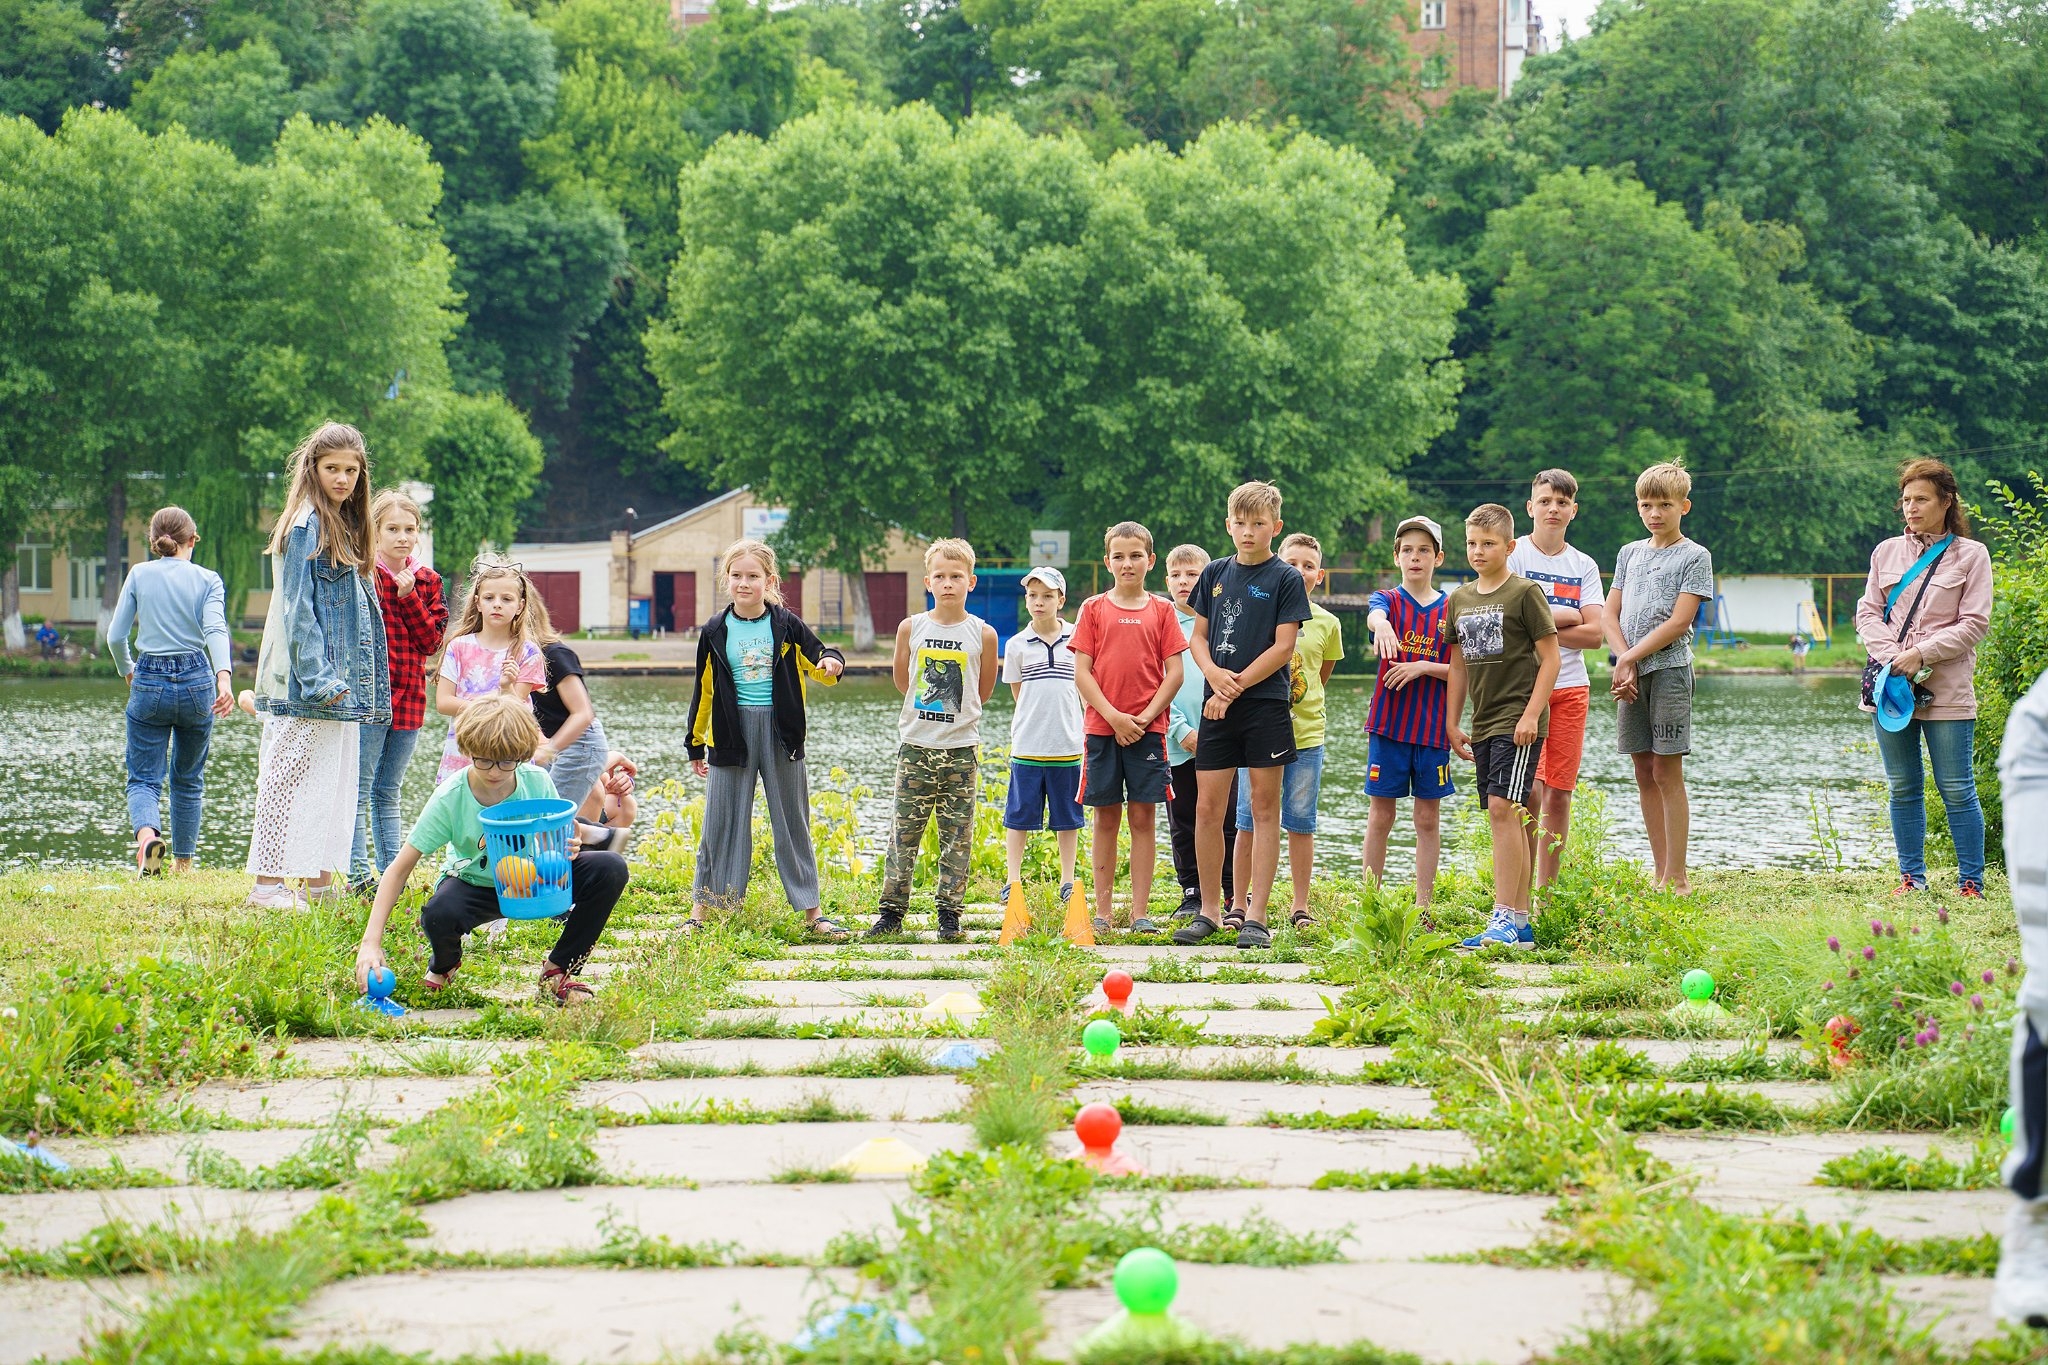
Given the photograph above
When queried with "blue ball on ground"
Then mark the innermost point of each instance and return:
(382, 982)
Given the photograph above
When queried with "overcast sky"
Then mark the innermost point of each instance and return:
(1574, 13)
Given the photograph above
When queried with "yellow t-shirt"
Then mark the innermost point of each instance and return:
(1321, 639)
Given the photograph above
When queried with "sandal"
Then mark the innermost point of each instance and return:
(831, 931)
(1302, 919)
(427, 980)
(694, 926)
(560, 987)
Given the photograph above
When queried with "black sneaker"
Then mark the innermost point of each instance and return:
(885, 926)
(1253, 934)
(949, 927)
(1196, 931)
(1190, 904)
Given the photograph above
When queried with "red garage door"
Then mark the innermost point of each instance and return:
(886, 598)
(793, 593)
(563, 593)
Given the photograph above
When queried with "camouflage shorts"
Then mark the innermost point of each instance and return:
(929, 783)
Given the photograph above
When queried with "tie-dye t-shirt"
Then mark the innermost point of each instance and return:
(477, 670)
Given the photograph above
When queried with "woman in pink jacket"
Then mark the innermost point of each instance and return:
(1938, 650)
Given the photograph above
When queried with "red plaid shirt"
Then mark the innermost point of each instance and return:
(413, 626)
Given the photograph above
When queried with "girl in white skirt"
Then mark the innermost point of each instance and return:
(323, 671)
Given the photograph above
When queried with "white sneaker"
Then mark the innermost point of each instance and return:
(2020, 1293)
(275, 896)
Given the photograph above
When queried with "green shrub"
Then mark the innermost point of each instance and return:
(2015, 650)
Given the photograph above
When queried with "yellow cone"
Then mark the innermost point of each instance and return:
(882, 1156)
(1016, 916)
(1080, 928)
(953, 1004)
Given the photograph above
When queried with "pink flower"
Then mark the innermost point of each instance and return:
(1877, 929)
(1989, 976)
(1977, 1003)
(1941, 914)
(1834, 944)
(1869, 953)
(1891, 931)
(1955, 988)
(1827, 985)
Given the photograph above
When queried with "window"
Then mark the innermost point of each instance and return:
(32, 565)
(1516, 18)
(1436, 71)
(1432, 13)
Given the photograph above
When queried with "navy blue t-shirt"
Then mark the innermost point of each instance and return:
(1244, 605)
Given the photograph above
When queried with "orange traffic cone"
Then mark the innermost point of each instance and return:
(1080, 929)
(1016, 916)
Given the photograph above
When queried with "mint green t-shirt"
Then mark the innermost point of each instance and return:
(452, 819)
(750, 649)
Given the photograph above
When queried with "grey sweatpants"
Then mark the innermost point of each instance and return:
(726, 854)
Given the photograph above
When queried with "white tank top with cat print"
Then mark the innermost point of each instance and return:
(942, 709)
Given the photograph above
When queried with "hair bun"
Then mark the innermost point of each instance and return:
(165, 546)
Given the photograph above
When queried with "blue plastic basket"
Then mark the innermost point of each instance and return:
(526, 844)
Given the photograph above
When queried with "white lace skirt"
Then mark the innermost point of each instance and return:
(305, 797)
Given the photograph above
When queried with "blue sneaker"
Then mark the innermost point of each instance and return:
(1525, 935)
(1500, 929)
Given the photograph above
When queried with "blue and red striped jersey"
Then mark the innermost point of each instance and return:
(1413, 714)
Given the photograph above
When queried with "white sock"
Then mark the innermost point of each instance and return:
(1521, 920)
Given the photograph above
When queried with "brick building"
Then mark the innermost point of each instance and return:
(1478, 43)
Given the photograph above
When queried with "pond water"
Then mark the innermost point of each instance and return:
(1771, 752)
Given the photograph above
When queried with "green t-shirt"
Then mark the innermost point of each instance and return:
(1320, 640)
(452, 819)
(1496, 633)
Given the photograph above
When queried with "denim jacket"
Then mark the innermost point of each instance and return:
(323, 653)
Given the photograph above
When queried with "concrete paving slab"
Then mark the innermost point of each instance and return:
(1185, 995)
(1525, 997)
(1208, 967)
(1764, 1164)
(1247, 1102)
(712, 1154)
(781, 1054)
(1281, 1156)
(313, 1101)
(403, 1056)
(876, 968)
(1202, 995)
(619, 1317)
(1765, 1173)
(1384, 1225)
(1283, 1026)
(1526, 973)
(1795, 1095)
(1334, 1062)
(912, 1098)
(43, 1221)
(56, 1319)
(171, 1153)
(883, 993)
(790, 1222)
(1956, 1307)
(1426, 1309)
(1669, 1052)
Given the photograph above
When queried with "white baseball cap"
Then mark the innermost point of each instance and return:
(1048, 575)
(1436, 532)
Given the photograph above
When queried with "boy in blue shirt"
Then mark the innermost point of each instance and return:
(1408, 753)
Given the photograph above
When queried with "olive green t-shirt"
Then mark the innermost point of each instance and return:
(1496, 633)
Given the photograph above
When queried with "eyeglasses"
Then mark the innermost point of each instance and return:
(497, 765)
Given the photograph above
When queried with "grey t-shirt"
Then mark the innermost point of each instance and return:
(1650, 581)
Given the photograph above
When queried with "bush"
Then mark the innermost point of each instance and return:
(2015, 651)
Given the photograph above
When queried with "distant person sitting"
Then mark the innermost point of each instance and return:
(50, 639)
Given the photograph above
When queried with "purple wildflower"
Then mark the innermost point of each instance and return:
(1834, 944)
(1977, 1003)
(1941, 914)
(1989, 976)
(1827, 985)
(1869, 953)
(1955, 988)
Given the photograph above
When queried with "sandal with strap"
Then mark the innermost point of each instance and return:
(694, 926)
(447, 979)
(1302, 919)
(830, 931)
(560, 987)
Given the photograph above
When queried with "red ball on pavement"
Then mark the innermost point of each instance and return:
(1098, 1126)
(1116, 988)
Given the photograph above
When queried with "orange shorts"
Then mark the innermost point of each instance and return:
(1558, 769)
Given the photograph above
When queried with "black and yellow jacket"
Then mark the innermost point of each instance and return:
(715, 707)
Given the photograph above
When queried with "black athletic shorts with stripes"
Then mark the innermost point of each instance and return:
(1506, 769)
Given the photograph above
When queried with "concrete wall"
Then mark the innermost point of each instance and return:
(590, 560)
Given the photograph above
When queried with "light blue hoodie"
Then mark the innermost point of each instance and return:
(1184, 713)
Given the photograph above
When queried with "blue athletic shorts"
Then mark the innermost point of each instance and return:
(1396, 769)
(1043, 798)
(1301, 786)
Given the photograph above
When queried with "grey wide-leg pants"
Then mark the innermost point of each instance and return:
(725, 856)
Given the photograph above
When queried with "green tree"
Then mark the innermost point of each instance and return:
(53, 55)
(941, 55)
(1619, 335)
(482, 461)
(1988, 65)
(238, 98)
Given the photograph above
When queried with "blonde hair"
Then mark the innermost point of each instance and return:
(1491, 516)
(171, 530)
(345, 536)
(1248, 499)
(1667, 480)
(951, 547)
(489, 568)
(391, 500)
(1186, 554)
(754, 549)
(1127, 530)
(497, 728)
(1302, 540)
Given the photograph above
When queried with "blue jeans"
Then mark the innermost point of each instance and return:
(170, 707)
(1301, 787)
(1948, 752)
(385, 752)
(577, 768)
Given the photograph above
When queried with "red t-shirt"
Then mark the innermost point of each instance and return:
(1127, 648)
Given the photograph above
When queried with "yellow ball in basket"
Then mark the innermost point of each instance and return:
(515, 874)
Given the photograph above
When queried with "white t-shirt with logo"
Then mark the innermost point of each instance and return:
(1047, 726)
(1569, 579)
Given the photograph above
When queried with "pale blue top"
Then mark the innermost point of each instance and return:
(1184, 712)
(750, 650)
(174, 607)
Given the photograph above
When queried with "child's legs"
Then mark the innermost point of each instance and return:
(916, 798)
(1144, 822)
(1070, 850)
(1180, 825)
(1301, 788)
(190, 740)
(1014, 843)
(1215, 793)
(954, 809)
(1102, 854)
(1948, 753)
(1230, 842)
(1557, 776)
(1669, 770)
(387, 825)
(1551, 828)
(1510, 854)
(725, 849)
(1667, 695)
(1428, 846)
(596, 880)
(149, 737)
(1265, 789)
(369, 758)
(455, 908)
(1652, 802)
(1379, 826)
(1023, 815)
(1065, 814)
(1241, 829)
(787, 786)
